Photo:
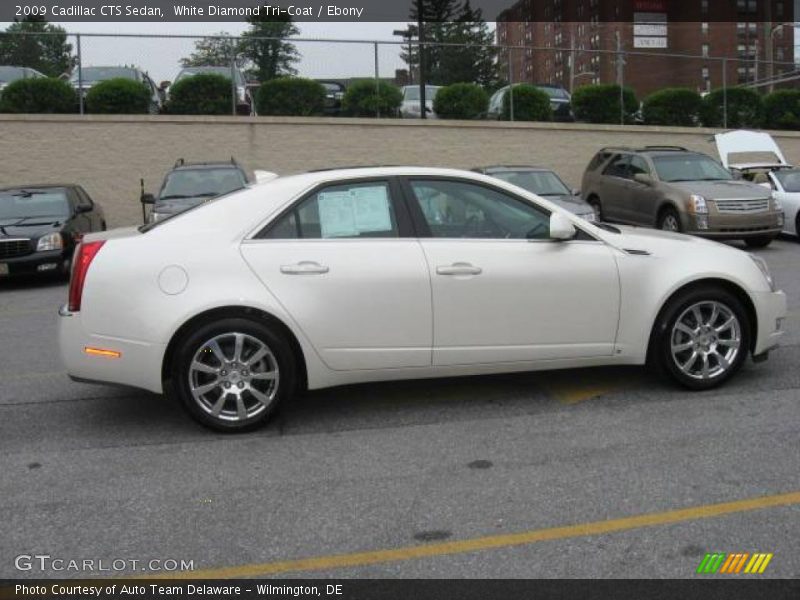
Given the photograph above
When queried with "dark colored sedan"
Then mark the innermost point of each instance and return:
(40, 225)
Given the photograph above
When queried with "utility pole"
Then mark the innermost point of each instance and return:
(423, 105)
(768, 49)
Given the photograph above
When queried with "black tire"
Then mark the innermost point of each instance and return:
(594, 202)
(200, 410)
(667, 217)
(660, 351)
(760, 241)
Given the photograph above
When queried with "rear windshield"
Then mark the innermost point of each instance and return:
(412, 93)
(544, 183)
(224, 71)
(9, 74)
(690, 167)
(18, 204)
(554, 92)
(103, 73)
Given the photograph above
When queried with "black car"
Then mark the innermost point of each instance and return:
(40, 225)
(334, 93)
(190, 184)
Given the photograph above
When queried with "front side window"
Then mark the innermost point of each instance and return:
(356, 210)
(456, 209)
(638, 166)
(618, 167)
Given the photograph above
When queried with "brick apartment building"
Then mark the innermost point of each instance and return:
(579, 39)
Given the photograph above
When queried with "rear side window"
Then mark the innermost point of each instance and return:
(599, 159)
(359, 210)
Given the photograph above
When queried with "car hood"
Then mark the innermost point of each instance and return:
(29, 227)
(176, 205)
(742, 141)
(573, 204)
(723, 189)
(641, 240)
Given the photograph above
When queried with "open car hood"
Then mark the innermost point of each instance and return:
(744, 141)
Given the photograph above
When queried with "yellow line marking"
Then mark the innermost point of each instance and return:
(767, 558)
(360, 559)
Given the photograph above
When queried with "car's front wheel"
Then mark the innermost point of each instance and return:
(232, 374)
(669, 220)
(761, 241)
(701, 338)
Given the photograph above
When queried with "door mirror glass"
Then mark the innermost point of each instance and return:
(643, 178)
(83, 208)
(148, 198)
(561, 228)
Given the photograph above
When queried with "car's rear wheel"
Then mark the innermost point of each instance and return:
(594, 202)
(669, 220)
(760, 241)
(232, 374)
(701, 338)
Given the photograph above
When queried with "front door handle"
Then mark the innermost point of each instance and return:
(459, 268)
(304, 268)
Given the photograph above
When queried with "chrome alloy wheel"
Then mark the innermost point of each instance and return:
(670, 223)
(705, 340)
(234, 377)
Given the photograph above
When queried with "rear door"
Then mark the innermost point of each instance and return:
(615, 188)
(345, 264)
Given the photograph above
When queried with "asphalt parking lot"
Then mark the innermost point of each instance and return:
(591, 473)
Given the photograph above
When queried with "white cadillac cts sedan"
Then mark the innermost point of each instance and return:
(354, 275)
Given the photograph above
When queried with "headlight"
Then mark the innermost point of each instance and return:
(591, 217)
(764, 268)
(697, 205)
(155, 217)
(51, 241)
(776, 204)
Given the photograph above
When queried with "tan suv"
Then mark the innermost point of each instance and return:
(675, 189)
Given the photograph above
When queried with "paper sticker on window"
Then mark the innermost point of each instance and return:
(350, 213)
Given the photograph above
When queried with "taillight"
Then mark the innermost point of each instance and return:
(84, 255)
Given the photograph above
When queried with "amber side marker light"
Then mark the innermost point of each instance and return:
(102, 352)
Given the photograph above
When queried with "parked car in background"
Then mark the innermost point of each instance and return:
(91, 76)
(11, 74)
(334, 93)
(672, 188)
(353, 275)
(190, 184)
(542, 182)
(560, 102)
(775, 174)
(410, 107)
(40, 225)
(244, 97)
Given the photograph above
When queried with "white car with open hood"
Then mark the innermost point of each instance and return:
(776, 174)
(368, 274)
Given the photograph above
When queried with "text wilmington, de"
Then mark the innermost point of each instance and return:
(268, 10)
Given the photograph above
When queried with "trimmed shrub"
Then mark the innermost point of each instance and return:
(672, 106)
(782, 109)
(293, 96)
(42, 95)
(530, 104)
(365, 98)
(745, 108)
(600, 103)
(118, 96)
(460, 101)
(201, 94)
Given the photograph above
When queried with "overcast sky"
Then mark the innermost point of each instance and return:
(160, 56)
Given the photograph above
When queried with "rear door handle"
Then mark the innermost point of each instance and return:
(459, 268)
(304, 268)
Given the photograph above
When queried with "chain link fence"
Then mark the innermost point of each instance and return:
(338, 63)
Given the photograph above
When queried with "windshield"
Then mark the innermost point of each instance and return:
(18, 204)
(544, 183)
(103, 73)
(555, 92)
(194, 183)
(412, 92)
(224, 71)
(690, 167)
(789, 179)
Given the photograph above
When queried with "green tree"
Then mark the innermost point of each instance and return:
(213, 51)
(472, 60)
(49, 53)
(270, 58)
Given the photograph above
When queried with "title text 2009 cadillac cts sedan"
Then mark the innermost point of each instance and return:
(354, 275)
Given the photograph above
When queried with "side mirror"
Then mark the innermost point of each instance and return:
(148, 199)
(164, 85)
(643, 178)
(561, 228)
(575, 192)
(83, 208)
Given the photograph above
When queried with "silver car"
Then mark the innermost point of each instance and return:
(545, 183)
(410, 107)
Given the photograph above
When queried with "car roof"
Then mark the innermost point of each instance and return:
(501, 168)
(40, 186)
(207, 165)
(649, 149)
